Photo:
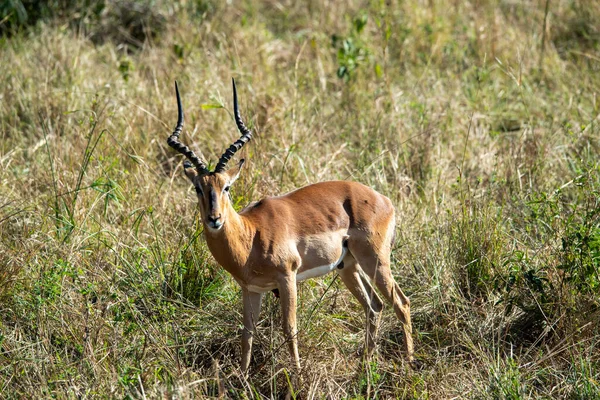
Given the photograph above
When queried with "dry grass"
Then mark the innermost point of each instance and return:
(488, 148)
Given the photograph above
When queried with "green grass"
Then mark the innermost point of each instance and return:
(488, 146)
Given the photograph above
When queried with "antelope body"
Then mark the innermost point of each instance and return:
(279, 241)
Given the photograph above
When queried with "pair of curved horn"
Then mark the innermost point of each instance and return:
(174, 142)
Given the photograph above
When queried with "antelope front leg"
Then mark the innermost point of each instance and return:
(252, 302)
(288, 298)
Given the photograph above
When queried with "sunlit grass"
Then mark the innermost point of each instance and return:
(488, 149)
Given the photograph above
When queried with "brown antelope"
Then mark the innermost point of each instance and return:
(279, 241)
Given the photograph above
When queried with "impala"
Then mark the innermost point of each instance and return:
(279, 241)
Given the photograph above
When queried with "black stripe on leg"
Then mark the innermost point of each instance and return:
(344, 245)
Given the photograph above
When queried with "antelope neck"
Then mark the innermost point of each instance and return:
(231, 244)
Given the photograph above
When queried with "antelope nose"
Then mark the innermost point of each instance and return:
(215, 222)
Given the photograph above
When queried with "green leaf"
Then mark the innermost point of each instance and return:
(378, 71)
(211, 106)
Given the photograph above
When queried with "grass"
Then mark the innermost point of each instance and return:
(485, 138)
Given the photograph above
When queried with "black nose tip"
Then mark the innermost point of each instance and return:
(214, 219)
(215, 222)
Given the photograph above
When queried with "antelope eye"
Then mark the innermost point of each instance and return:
(226, 189)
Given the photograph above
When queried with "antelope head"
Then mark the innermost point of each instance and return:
(212, 187)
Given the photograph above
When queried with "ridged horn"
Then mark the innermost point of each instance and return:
(174, 142)
(238, 144)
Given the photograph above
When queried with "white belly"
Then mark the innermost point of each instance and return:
(321, 270)
(259, 289)
(310, 273)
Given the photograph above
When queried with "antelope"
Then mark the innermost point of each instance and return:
(274, 243)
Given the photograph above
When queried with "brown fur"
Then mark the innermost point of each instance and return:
(271, 242)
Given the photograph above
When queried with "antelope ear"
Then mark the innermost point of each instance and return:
(234, 172)
(190, 172)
